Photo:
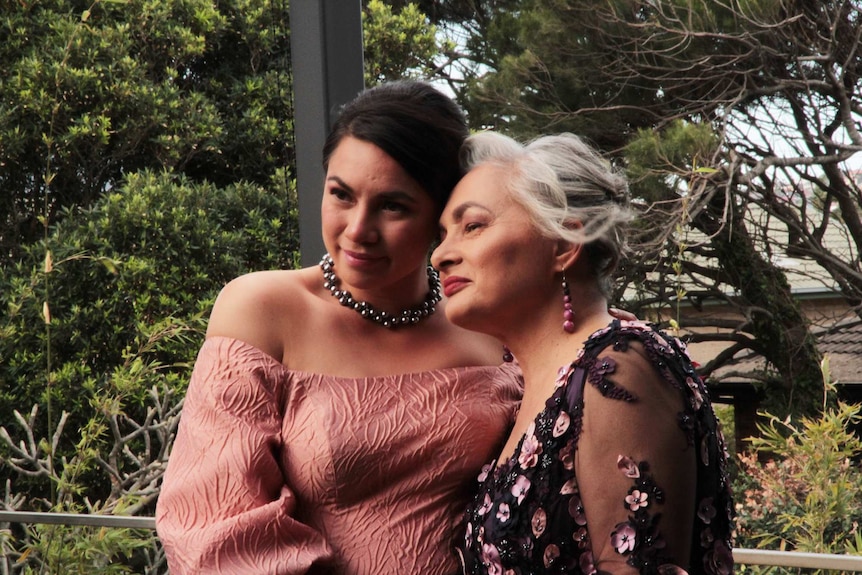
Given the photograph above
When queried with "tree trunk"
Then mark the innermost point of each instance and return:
(775, 319)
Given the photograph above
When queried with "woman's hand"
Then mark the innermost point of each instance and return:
(622, 314)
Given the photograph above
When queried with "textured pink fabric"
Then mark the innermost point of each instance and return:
(278, 471)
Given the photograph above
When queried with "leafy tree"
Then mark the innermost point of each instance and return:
(92, 92)
(398, 44)
(776, 85)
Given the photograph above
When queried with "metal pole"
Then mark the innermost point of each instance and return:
(327, 64)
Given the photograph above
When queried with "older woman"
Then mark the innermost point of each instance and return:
(615, 463)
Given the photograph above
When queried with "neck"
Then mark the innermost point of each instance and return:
(541, 346)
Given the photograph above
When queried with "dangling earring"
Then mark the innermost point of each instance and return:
(568, 314)
(507, 355)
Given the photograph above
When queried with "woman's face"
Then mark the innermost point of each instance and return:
(494, 265)
(378, 222)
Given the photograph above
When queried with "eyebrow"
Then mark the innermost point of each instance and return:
(458, 212)
(340, 182)
(389, 195)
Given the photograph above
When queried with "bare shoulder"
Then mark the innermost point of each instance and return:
(257, 307)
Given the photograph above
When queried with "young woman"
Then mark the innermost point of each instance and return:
(615, 463)
(335, 419)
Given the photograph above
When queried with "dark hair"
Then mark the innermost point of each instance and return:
(417, 125)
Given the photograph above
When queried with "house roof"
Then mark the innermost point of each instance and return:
(844, 349)
(842, 345)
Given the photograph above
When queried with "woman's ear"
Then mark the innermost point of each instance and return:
(567, 254)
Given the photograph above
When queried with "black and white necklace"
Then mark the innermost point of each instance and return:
(407, 317)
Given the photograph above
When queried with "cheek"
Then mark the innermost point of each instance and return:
(331, 219)
(418, 234)
(511, 269)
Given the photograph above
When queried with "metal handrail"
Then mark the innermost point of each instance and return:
(740, 556)
(94, 520)
(798, 559)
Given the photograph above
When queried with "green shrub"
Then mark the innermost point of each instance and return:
(100, 323)
(800, 488)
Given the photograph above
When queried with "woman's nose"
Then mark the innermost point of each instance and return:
(443, 255)
(361, 227)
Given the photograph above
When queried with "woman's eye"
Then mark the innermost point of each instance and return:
(472, 226)
(339, 194)
(394, 207)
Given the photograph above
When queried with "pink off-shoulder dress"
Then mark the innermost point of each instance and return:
(281, 472)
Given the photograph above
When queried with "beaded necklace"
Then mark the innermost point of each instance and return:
(407, 317)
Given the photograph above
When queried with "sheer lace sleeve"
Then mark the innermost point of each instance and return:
(224, 506)
(636, 464)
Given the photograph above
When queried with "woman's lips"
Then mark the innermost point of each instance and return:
(359, 259)
(453, 285)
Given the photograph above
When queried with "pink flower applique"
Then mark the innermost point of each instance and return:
(562, 424)
(486, 469)
(628, 467)
(539, 522)
(706, 538)
(569, 487)
(491, 558)
(588, 566)
(718, 560)
(503, 512)
(581, 537)
(606, 366)
(520, 488)
(576, 510)
(531, 448)
(550, 555)
(579, 355)
(697, 397)
(562, 375)
(637, 499)
(567, 455)
(705, 510)
(486, 505)
(600, 332)
(623, 538)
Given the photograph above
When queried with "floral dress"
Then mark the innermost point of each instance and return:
(655, 480)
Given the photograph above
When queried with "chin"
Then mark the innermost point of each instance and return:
(466, 318)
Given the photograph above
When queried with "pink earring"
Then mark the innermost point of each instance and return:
(568, 314)
(507, 355)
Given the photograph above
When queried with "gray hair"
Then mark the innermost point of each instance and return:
(561, 180)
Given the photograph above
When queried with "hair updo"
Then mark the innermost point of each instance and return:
(418, 126)
(561, 180)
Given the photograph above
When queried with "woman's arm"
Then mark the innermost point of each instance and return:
(635, 467)
(224, 505)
